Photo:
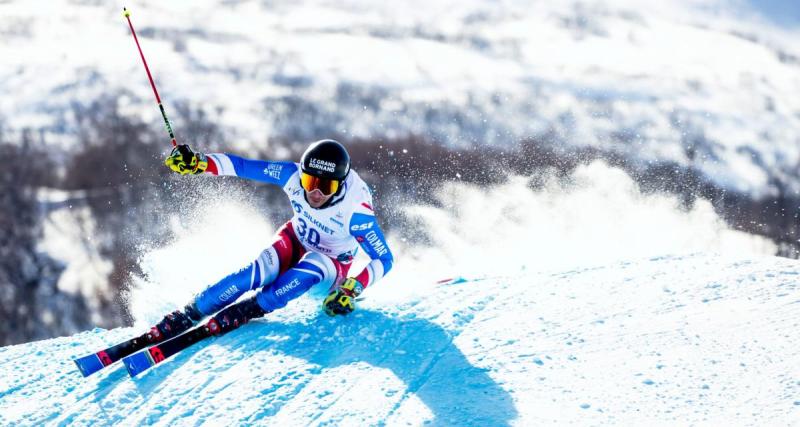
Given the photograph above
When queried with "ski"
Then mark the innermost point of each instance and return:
(94, 362)
(146, 359)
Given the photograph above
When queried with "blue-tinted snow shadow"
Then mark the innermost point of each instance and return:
(418, 352)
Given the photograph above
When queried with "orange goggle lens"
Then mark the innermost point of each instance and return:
(311, 183)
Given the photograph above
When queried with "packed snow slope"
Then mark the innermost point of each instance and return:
(699, 338)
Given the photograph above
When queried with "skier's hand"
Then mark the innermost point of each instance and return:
(340, 300)
(185, 161)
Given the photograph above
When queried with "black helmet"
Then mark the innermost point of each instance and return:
(327, 159)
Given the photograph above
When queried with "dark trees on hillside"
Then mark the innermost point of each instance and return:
(31, 305)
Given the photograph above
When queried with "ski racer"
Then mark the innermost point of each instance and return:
(333, 216)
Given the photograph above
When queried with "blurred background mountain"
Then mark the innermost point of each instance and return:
(695, 98)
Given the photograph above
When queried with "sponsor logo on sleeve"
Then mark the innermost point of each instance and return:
(362, 227)
(376, 243)
(273, 170)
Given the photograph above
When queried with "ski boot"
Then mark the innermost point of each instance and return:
(175, 324)
(234, 316)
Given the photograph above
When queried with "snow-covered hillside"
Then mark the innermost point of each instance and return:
(706, 84)
(665, 340)
(578, 298)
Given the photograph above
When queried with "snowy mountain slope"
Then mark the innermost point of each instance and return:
(675, 339)
(704, 84)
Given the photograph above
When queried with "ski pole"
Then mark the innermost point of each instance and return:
(127, 15)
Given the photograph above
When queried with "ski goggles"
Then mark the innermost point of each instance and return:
(326, 186)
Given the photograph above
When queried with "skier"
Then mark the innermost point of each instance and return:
(333, 216)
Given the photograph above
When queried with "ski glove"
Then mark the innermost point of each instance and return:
(340, 300)
(184, 161)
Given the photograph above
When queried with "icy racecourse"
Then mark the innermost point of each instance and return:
(699, 339)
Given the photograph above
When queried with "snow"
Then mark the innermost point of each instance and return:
(68, 239)
(725, 68)
(696, 339)
(587, 302)
(575, 300)
(596, 216)
(593, 217)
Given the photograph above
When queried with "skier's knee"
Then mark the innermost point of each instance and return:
(321, 266)
(267, 267)
(313, 269)
(226, 291)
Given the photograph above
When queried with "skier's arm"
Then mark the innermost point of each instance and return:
(185, 161)
(367, 232)
(364, 227)
(271, 172)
